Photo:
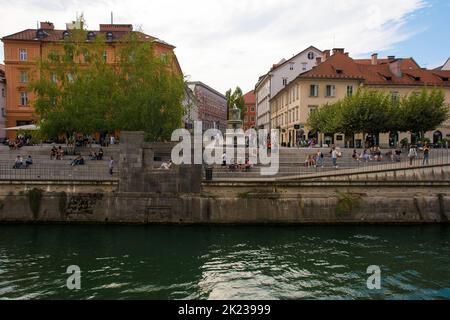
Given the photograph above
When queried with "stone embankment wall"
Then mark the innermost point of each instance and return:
(258, 203)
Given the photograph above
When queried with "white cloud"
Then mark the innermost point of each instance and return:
(232, 42)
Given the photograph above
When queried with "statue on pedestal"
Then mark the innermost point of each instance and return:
(235, 121)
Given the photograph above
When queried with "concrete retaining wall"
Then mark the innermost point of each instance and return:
(233, 204)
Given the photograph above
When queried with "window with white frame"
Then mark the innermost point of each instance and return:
(291, 66)
(314, 90)
(304, 66)
(349, 91)
(312, 109)
(23, 76)
(395, 96)
(24, 98)
(23, 56)
(330, 91)
(285, 81)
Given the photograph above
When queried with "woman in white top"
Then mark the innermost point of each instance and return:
(412, 154)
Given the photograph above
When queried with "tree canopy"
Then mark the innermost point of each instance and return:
(81, 90)
(423, 112)
(375, 112)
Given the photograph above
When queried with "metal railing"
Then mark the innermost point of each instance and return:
(346, 164)
(40, 172)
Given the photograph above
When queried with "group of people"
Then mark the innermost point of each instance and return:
(413, 154)
(242, 167)
(15, 144)
(317, 159)
(108, 140)
(372, 154)
(22, 164)
(96, 155)
(57, 153)
(234, 167)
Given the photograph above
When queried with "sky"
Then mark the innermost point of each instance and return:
(229, 43)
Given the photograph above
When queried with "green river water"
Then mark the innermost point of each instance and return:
(169, 262)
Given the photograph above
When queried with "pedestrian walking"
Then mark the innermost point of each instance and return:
(426, 155)
(334, 157)
(319, 159)
(111, 166)
(412, 154)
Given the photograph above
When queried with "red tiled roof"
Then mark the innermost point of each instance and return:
(377, 75)
(338, 66)
(369, 61)
(57, 35)
(250, 98)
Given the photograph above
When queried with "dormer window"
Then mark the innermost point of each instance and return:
(388, 78)
(416, 78)
(444, 78)
(339, 71)
(65, 34)
(109, 36)
(41, 34)
(90, 35)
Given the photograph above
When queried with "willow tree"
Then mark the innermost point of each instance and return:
(79, 91)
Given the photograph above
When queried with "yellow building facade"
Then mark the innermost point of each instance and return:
(333, 80)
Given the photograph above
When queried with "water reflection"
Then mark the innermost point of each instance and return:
(224, 262)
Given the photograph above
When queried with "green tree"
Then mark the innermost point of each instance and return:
(236, 97)
(423, 112)
(151, 93)
(368, 112)
(326, 119)
(79, 92)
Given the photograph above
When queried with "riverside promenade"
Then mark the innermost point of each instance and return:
(140, 193)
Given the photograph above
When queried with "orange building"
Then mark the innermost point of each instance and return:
(24, 49)
(250, 110)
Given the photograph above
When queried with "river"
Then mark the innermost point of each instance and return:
(164, 262)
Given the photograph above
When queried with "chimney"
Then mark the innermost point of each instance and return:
(347, 54)
(47, 26)
(318, 61)
(338, 50)
(116, 27)
(391, 58)
(375, 59)
(395, 68)
(326, 55)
